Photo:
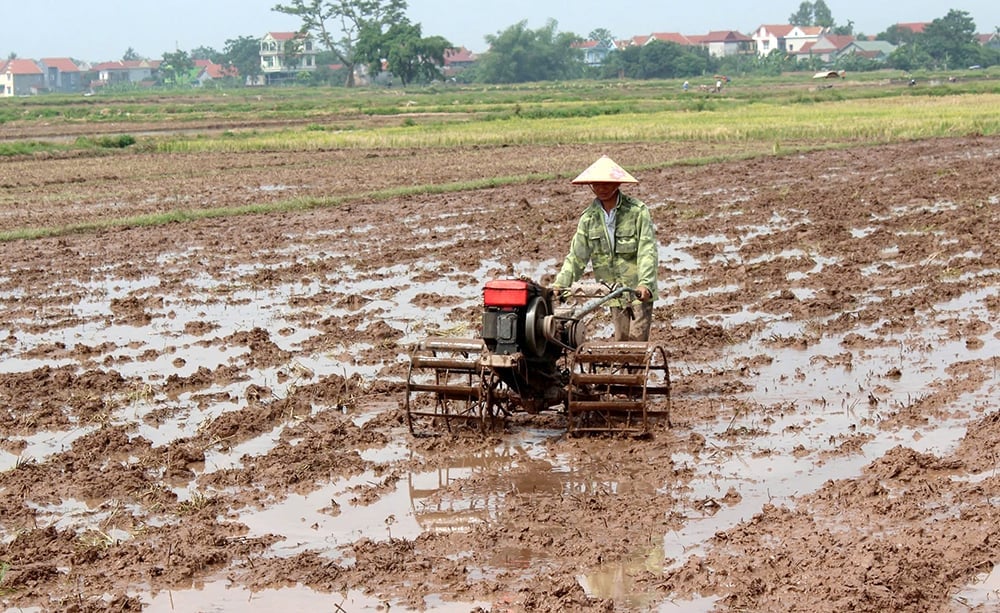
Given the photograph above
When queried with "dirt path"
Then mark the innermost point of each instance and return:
(208, 415)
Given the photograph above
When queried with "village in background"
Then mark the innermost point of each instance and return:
(281, 58)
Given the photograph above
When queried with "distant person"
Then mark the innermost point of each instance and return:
(686, 85)
(615, 234)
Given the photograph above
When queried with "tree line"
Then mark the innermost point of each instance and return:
(378, 34)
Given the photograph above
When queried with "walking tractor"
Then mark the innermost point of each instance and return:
(533, 357)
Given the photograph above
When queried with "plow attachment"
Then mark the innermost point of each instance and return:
(617, 387)
(612, 387)
(447, 384)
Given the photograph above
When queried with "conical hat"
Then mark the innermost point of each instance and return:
(605, 170)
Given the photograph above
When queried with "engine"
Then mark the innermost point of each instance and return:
(519, 317)
(513, 314)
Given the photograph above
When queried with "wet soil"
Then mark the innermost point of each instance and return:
(209, 415)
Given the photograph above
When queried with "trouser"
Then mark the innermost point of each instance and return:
(632, 324)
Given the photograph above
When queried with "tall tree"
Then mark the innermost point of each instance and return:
(176, 67)
(822, 16)
(812, 14)
(130, 55)
(601, 35)
(657, 60)
(951, 40)
(847, 30)
(897, 35)
(325, 18)
(206, 53)
(519, 54)
(803, 16)
(909, 57)
(407, 54)
(243, 54)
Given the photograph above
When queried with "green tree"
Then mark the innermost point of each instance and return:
(951, 40)
(657, 60)
(519, 54)
(130, 55)
(407, 54)
(176, 67)
(909, 57)
(803, 16)
(243, 54)
(813, 14)
(351, 17)
(207, 53)
(601, 35)
(846, 30)
(822, 16)
(621, 63)
(897, 35)
(856, 62)
(773, 64)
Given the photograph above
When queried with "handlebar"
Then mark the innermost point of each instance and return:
(595, 303)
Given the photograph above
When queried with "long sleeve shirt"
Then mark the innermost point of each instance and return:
(630, 257)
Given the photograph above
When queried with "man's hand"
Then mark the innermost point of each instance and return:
(643, 293)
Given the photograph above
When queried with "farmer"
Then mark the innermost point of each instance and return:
(616, 235)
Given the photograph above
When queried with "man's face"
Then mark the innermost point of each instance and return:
(604, 191)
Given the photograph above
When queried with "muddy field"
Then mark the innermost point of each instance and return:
(207, 416)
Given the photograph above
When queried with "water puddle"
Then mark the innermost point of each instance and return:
(328, 518)
(982, 593)
(806, 395)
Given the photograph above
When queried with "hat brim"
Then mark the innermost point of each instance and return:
(604, 170)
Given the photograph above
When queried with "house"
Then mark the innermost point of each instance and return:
(785, 38)
(875, 50)
(20, 78)
(989, 40)
(669, 37)
(800, 36)
(725, 43)
(207, 71)
(61, 74)
(456, 60)
(594, 51)
(125, 72)
(635, 41)
(917, 27)
(770, 37)
(283, 55)
(826, 47)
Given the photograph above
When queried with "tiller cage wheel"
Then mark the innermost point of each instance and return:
(620, 387)
(446, 384)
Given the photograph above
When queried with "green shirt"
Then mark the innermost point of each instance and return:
(631, 260)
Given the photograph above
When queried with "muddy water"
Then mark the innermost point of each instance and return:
(802, 399)
(763, 419)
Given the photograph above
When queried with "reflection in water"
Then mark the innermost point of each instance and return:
(470, 489)
(616, 581)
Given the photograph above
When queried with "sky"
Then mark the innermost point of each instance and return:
(102, 30)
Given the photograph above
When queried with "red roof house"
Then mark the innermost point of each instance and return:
(20, 78)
